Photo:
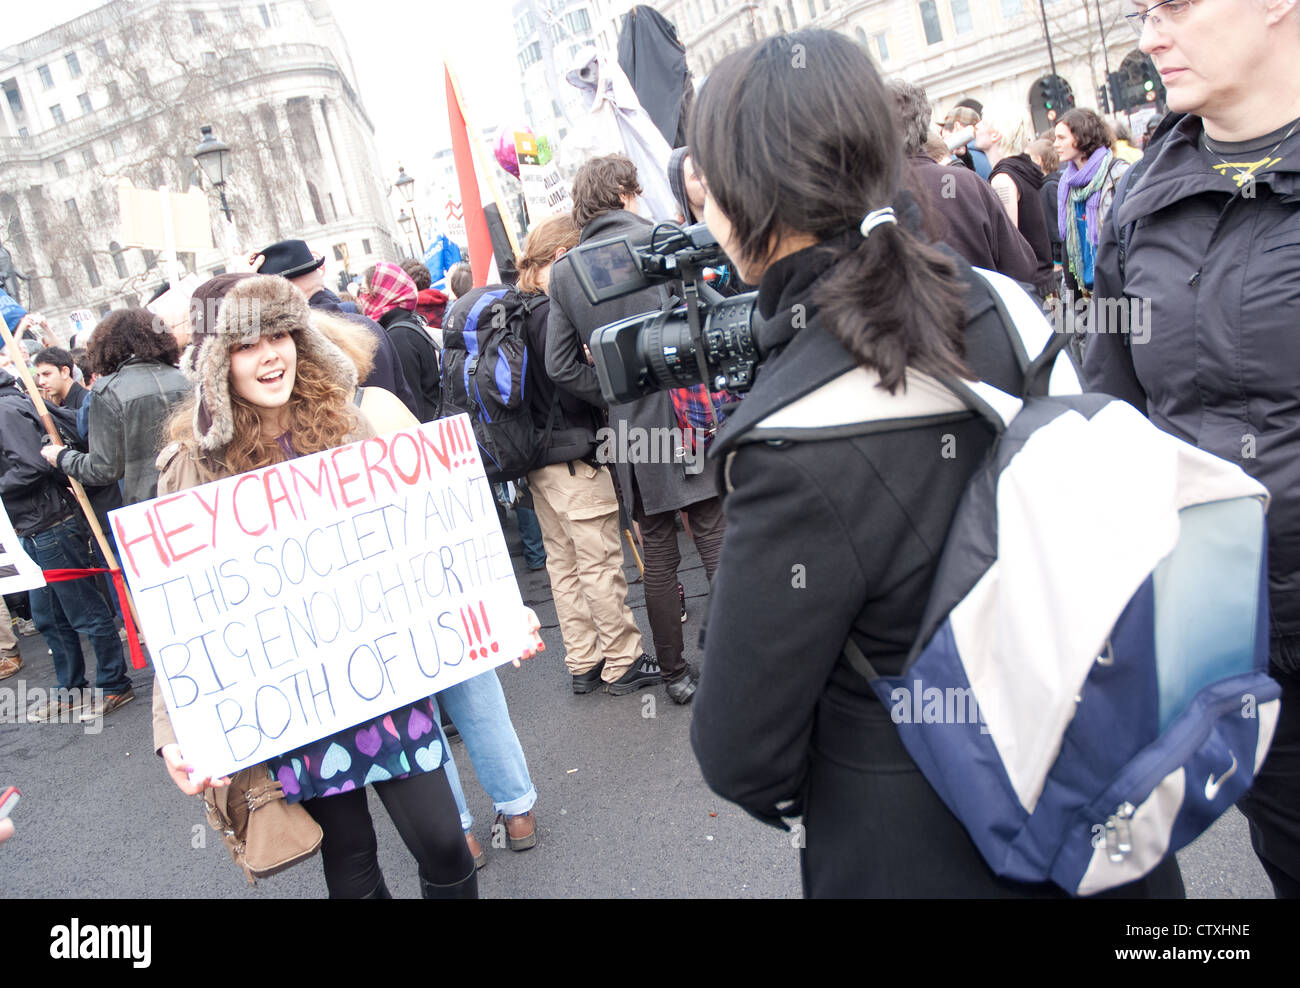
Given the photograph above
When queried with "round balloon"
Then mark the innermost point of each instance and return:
(506, 156)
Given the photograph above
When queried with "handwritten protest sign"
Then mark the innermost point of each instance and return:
(18, 571)
(288, 603)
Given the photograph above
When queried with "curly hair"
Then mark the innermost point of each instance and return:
(418, 272)
(127, 333)
(1090, 131)
(601, 184)
(912, 114)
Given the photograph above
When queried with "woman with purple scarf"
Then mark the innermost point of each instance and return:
(1087, 187)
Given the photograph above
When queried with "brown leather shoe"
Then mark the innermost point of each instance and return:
(521, 830)
(10, 663)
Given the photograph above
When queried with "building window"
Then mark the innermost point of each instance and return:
(209, 58)
(930, 20)
(104, 310)
(71, 206)
(60, 167)
(119, 262)
(861, 36)
(47, 80)
(56, 112)
(1011, 8)
(142, 77)
(826, 6)
(118, 147)
(232, 16)
(186, 257)
(794, 20)
(219, 270)
(101, 50)
(780, 21)
(74, 66)
(92, 273)
(882, 46)
(961, 21)
(15, 99)
(101, 204)
(812, 8)
(334, 213)
(88, 157)
(365, 246)
(84, 102)
(315, 203)
(579, 22)
(156, 177)
(133, 301)
(338, 251)
(266, 17)
(197, 24)
(22, 131)
(114, 91)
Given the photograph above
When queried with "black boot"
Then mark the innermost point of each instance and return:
(380, 891)
(466, 888)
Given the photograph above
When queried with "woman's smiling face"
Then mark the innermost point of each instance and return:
(262, 371)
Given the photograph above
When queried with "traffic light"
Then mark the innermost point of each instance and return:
(1148, 86)
(1047, 94)
(345, 279)
(1103, 99)
(1119, 91)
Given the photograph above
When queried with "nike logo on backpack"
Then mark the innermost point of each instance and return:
(1212, 785)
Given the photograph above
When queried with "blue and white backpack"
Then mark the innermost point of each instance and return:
(1089, 690)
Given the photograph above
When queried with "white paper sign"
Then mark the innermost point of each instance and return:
(283, 605)
(18, 571)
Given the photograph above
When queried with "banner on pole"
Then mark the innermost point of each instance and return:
(18, 571)
(288, 603)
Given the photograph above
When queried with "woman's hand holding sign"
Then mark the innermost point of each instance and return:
(534, 626)
(179, 770)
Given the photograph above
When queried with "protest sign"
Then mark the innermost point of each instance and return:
(18, 571)
(288, 603)
(544, 190)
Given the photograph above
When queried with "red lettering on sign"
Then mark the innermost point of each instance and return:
(234, 503)
(169, 533)
(128, 544)
(272, 476)
(374, 467)
(211, 509)
(344, 481)
(426, 447)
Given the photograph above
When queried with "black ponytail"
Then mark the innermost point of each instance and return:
(797, 134)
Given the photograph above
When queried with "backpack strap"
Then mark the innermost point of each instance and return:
(356, 396)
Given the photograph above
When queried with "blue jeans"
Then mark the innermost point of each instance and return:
(478, 706)
(64, 611)
(531, 532)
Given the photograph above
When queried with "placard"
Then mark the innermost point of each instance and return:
(283, 605)
(18, 571)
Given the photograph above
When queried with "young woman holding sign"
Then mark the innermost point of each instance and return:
(270, 387)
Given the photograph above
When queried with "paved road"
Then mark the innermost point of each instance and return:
(622, 809)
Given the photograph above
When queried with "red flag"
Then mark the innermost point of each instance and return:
(476, 226)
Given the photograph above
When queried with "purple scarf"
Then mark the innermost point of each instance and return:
(1080, 178)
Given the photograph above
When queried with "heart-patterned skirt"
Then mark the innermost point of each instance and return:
(405, 742)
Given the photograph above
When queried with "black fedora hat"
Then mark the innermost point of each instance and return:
(289, 259)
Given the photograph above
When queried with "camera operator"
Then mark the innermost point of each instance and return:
(604, 196)
(834, 527)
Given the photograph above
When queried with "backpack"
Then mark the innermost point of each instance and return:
(1089, 690)
(484, 368)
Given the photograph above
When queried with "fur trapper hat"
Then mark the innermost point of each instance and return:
(259, 305)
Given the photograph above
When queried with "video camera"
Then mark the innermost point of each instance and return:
(702, 338)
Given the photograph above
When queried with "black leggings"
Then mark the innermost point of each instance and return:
(424, 812)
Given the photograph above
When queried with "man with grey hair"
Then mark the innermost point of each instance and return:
(970, 218)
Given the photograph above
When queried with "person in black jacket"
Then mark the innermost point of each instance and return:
(572, 492)
(390, 297)
(834, 530)
(49, 525)
(1210, 220)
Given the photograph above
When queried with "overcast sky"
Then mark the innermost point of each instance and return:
(397, 48)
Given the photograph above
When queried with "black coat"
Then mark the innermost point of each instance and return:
(35, 494)
(573, 320)
(419, 360)
(1221, 269)
(828, 537)
(573, 422)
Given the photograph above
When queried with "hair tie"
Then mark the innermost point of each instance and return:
(876, 218)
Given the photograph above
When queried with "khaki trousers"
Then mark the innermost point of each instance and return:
(584, 559)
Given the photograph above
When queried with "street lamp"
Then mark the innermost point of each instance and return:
(404, 221)
(213, 157)
(406, 185)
